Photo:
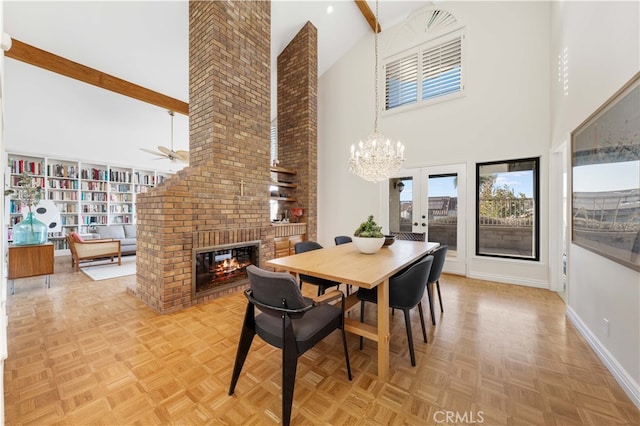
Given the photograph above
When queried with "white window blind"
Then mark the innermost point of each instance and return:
(441, 69)
(429, 72)
(401, 78)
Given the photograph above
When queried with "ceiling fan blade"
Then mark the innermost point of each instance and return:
(166, 151)
(159, 154)
(182, 156)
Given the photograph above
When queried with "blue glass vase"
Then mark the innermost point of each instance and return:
(29, 231)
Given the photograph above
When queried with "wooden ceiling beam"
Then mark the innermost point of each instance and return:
(368, 15)
(41, 58)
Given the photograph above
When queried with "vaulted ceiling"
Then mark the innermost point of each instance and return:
(146, 42)
(129, 39)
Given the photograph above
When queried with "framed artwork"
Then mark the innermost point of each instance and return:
(605, 166)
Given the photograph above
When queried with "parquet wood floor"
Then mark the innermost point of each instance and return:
(87, 352)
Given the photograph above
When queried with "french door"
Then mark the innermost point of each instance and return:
(432, 200)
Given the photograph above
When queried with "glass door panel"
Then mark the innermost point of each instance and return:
(401, 204)
(444, 201)
(443, 210)
(430, 200)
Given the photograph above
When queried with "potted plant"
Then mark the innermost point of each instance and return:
(30, 230)
(368, 238)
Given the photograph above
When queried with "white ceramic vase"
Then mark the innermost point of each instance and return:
(368, 245)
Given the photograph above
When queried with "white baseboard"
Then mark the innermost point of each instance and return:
(509, 280)
(630, 387)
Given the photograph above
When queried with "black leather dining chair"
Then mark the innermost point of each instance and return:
(439, 256)
(342, 239)
(288, 321)
(406, 290)
(322, 283)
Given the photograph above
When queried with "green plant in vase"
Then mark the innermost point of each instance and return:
(368, 238)
(30, 230)
(369, 229)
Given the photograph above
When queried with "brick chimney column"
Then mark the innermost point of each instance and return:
(222, 197)
(298, 120)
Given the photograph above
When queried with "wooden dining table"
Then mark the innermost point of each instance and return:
(345, 264)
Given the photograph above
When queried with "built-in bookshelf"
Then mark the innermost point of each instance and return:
(85, 193)
(62, 188)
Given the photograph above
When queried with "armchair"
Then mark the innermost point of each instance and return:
(85, 250)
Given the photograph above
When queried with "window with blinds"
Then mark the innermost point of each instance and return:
(402, 82)
(438, 69)
(441, 69)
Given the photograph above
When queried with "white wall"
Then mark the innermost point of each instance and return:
(48, 114)
(3, 244)
(504, 115)
(603, 44)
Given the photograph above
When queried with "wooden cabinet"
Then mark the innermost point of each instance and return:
(30, 261)
(284, 246)
(281, 247)
(293, 240)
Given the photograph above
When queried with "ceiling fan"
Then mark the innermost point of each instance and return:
(171, 154)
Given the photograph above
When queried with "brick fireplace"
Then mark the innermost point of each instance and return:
(218, 268)
(222, 197)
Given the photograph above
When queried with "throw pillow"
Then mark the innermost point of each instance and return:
(77, 237)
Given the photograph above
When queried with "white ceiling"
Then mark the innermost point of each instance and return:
(338, 31)
(146, 43)
(130, 39)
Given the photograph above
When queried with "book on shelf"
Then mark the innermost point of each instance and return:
(19, 166)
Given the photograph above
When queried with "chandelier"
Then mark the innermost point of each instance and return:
(377, 158)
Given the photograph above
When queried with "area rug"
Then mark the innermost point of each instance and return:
(111, 270)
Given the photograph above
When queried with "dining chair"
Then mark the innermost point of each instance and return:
(288, 321)
(406, 290)
(439, 256)
(322, 283)
(342, 239)
(410, 236)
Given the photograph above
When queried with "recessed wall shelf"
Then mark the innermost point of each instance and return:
(283, 182)
(283, 170)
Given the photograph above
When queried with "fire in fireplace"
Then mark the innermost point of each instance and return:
(219, 267)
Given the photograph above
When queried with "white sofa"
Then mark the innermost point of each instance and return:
(125, 233)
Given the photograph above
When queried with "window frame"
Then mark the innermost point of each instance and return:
(535, 257)
(417, 51)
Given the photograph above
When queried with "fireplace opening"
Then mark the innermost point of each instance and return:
(220, 267)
